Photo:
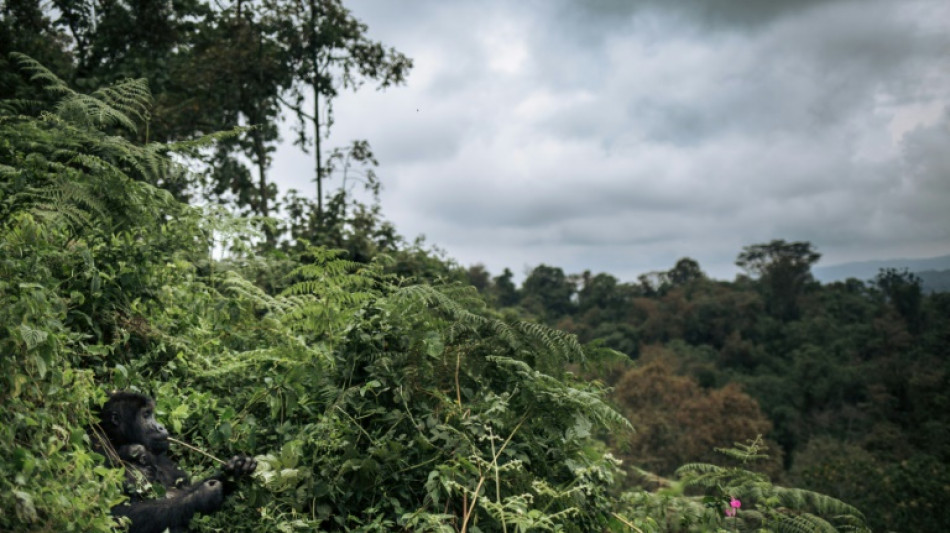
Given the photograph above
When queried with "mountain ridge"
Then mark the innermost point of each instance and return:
(932, 270)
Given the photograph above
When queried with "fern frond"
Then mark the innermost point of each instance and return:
(116, 105)
(746, 452)
(562, 395)
(233, 284)
(130, 97)
(699, 469)
(704, 475)
(65, 198)
(191, 146)
(742, 456)
(460, 307)
(88, 110)
(237, 363)
(816, 502)
(19, 107)
(554, 341)
(8, 171)
(805, 523)
(38, 73)
(67, 214)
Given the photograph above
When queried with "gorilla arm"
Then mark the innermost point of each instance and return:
(180, 504)
(154, 516)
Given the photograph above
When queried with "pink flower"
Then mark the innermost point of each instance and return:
(734, 506)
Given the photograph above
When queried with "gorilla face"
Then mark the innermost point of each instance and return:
(129, 418)
(148, 431)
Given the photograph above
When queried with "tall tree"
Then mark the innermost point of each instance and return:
(903, 290)
(479, 277)
(506, 294)
(685, 271)
(165, 43)
(784, 269)
(599, 291)
(212, 66)
(135, 38)
(548, 292)
(330, 52)
(346, 223)
(679, 421)
(239, 71)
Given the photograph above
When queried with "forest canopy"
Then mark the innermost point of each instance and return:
(380, 385)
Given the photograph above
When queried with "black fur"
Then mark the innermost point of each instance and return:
(130, 436)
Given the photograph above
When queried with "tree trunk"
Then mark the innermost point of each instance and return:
(262, 186)
(316, 107)
(316, 140)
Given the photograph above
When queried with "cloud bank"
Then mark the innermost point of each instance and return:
(620, 136)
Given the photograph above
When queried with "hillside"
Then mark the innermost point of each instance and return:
(375, 394)
(935, 280)
(866, 270)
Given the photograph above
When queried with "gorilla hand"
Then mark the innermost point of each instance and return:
(135, 453)
(240, 466)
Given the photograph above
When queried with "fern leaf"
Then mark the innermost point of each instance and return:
(805, 523)
(40, 74)
(699, 469)
(816, 502)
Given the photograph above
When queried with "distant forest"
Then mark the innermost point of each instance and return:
(380, 385)
(849, 380)
(935, 280)
(933, 272)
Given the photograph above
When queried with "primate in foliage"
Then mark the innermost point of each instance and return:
(129, 435)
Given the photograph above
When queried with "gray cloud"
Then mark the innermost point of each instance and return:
(620, 136)
(722, 15)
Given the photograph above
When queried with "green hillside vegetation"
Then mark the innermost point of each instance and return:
(374, 401)
(847, 381)
(381, 386)
(935, 280)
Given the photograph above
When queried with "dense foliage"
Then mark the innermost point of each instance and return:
(374, 401)
(852, 377)
(370, 377)
(214, 66)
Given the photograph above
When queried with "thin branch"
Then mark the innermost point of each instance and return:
(481, 480)
(626, 523)
(190, 447)
(295, 108)
(458, 389)
(494, 464)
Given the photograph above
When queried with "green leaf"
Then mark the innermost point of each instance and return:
(32, 337)
(40, 365)
(434, 344)
(25, 509)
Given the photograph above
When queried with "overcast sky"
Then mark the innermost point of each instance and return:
(619, 136)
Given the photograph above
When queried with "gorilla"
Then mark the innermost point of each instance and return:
(128, 435)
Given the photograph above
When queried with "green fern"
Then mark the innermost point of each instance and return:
(793, 510)
(117, 105)
(41, 75)
(73, 169)
(816, 502)
(327, 292)
(805, 523)
(700, 469)
(746, 453)
(461, 309)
